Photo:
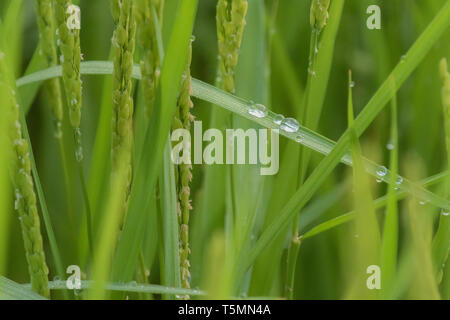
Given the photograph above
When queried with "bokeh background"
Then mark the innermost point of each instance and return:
(273, 70)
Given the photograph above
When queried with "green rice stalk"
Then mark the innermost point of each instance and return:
(46, 24)
(389, 247)
(70, 59)
(441, 243)
(445, 97)
(230, 28)
(69, 43)
(230, 21)
(122, 117)
(147, 39)
(367, 248)
(183, 119)
(25, 197)
(318, 20)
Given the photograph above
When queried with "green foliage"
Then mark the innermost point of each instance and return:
(158, 229)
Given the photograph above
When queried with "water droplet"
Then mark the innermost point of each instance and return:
(398, 182)
(192, 38)
(299, 138)
(79, 154)
(17, 201)
(379, 180)
(403, 58)
(278, 118)
(381, 172)
(390, 146)
(352, 84)
(422, 202)
(61, 58)
(133, 283)
(289, 125)
(257, 110)
(445, 213)
(157, 72)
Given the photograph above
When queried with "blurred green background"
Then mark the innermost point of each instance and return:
(273, 70)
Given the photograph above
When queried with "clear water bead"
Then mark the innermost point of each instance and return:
(79, 154)
(382, 171)
(352, 84)
(257, 110)
(278, 118)
(299, 138)
(289, 125)
(390, 146)
(445, 213)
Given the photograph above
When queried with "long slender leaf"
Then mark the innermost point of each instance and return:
(170, 221)
(417, 52)
(239, 106)
(133, 230)
(10, 290)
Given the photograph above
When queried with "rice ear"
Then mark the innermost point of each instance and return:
(230, 29)
(122, 116)
(147, 38)
(69, 44)
(25, 197)
(183, 119)
(46, 24)
(319, 13)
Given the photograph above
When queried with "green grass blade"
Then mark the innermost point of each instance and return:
(378, 203)
(441, 242)
(390, 234)
(311, 109)
(99, 172)
(128, 287)
(28, 93)
(10, 290)
(239, 106)
(149, 164)
(107, 235)
(5, 188)
(417, 52)
(169, 218)
(247, 184)
(366, 249)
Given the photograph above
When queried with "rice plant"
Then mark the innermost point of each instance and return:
(169, 193)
